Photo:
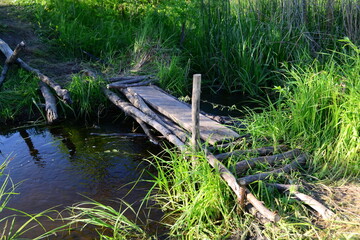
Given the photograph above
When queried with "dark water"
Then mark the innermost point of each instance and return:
(58, 165)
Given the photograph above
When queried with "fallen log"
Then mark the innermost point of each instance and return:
(260, 151)
(300, 160)
(50, 103)
(240, 191)
(62, 93)
(244, 165)
(229, 178)
(136, 113)
(274, 217)
(10, 60)
(325, 213)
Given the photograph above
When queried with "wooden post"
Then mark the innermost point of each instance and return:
(195, 110)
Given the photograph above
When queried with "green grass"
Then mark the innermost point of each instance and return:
(236, 45)
(9, 231)
(318, 110)
(88, 99)
(19, 96)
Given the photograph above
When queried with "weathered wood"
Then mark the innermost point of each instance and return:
(119, 85)
(125, 135)
(12, 59)
(139, 103)
(195, 112)
(317, 206)
(178, 131)
(287, 168)
(62, 93)
(260, 151)
(240, 140)
(261, 208)
(180, 113)
(50, 103)
(244, 165)
(252, 210)
(136, 113)
(146, 130)
(129, 79)
(325, 213)
(229, 178)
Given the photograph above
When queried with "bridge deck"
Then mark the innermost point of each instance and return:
(180, 113)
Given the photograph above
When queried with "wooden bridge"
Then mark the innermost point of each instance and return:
(154, 109)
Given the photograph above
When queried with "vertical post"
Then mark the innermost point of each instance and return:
(195, 110)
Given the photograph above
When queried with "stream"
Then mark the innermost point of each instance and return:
(58, 166)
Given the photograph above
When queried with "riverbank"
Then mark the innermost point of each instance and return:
(314, 106)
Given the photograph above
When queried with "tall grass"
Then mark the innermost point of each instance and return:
(318, 110)
(88, 99)
(236, 45)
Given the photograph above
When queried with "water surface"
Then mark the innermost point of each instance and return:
(58, 166)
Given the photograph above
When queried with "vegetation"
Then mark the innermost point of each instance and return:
(294, 52)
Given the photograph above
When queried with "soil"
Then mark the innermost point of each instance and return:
(14, 28)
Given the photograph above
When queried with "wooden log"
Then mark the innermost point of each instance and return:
(129, 79)
(195, 112)
(325, 213)
(139, 103)
(176, 129)
(147, 131)
(240, 140)
(261, 208)
(287, 168)
(134, 112)
(50, 103)
(317, 206)
(119, 85)
(10, 60)
(252, 210)
(125, 135)
(62, 93)
(283, 187)
(229, 178)
(260, 151)
(244, 165)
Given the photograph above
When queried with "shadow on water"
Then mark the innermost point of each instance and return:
(62, 164)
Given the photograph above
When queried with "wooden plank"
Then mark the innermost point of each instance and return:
(180, 113)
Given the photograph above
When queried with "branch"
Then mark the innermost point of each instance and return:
(287, 168)
(244, 165)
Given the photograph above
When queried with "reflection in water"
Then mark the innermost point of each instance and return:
(70, 164)
(65, 138)
(32, 150)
